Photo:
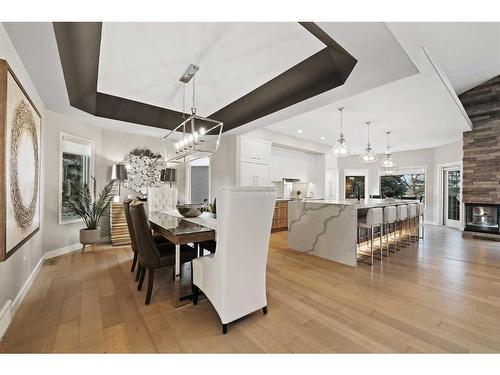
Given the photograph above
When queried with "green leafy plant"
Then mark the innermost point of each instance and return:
(210, 207)
(86, 204)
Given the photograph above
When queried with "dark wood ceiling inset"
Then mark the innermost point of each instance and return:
(79, 47)
(81, 43)
(321, 72)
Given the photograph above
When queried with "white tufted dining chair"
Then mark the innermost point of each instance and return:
(234, 277)
(162, 198)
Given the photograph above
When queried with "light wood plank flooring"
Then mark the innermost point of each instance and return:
(442, 295)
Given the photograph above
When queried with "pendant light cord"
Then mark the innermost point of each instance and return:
(183, 101)
(341, 122)
(193, 108)
(341, 109)
(368, 126)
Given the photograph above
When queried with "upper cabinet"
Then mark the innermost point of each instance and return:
(254, 162)
(288, 163)
(255, 151)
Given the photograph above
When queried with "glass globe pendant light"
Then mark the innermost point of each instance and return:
(368, 156)
(341, 150)
(388, 165)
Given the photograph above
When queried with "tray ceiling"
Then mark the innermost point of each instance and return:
(144, 61)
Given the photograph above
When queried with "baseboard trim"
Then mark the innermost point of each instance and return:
(9, 309)
(26, 287)
(62, 251)
(5, 318)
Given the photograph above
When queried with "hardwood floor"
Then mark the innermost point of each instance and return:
(442, 296)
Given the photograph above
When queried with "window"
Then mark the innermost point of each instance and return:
(407, 185)
(351, 182)
(199, 180)
(76, 167)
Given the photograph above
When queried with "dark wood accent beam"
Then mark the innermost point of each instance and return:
(79, 46)
(321, 72)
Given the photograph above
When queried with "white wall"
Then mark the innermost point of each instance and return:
(428, 158)
(110, 147)
(15, 271)
(223, 165)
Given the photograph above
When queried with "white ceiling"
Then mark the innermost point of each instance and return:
(381, 60)
(418, 110)
(144, 61)
(468, 52)
(421, 110)
(393, 84)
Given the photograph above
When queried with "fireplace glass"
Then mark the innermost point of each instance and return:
(482, 218)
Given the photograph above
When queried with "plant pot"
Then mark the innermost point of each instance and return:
(90, 236)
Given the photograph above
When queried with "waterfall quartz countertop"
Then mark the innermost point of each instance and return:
(328, 228)
(362, 204)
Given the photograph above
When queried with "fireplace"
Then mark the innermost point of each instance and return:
(482, 217)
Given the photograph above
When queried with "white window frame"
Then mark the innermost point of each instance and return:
(356, 172)
(412, 170)
(188, 179)
(67, 136)
(439, 206)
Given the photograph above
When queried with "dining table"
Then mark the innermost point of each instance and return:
(181, 230)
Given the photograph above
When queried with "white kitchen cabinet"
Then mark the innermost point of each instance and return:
(255, 151)
(293, 164)
(255, 174)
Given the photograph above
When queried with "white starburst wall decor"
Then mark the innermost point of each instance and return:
(143, 169)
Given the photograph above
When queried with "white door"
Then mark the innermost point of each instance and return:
(452, 203)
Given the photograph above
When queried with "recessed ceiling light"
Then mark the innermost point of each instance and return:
(323, 138)
(300, 131)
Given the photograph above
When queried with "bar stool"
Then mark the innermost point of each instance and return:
(412, 217)
(401, 216)
(373, 219)
(389, 218)
(420, 220)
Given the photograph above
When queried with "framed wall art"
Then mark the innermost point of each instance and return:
(20, 164)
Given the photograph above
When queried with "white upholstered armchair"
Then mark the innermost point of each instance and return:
(234, 277)
(162, 198)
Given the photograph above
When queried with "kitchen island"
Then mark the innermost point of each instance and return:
(328, 228)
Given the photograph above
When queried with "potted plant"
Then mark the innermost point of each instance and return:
(90, 207)
(211, 208)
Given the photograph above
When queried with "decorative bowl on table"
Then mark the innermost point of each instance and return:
(190, 210)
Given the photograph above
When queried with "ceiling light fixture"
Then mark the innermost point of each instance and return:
(341, 149)
(195, 137)
(388, 165)
(368, 156)
(300, 131)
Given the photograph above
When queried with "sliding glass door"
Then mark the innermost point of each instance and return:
(452, 185)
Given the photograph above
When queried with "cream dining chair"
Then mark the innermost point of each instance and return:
(162, 198)
(234, 277)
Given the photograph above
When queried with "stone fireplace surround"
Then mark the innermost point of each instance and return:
(481, 147)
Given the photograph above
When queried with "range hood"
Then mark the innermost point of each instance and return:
(288, 179)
